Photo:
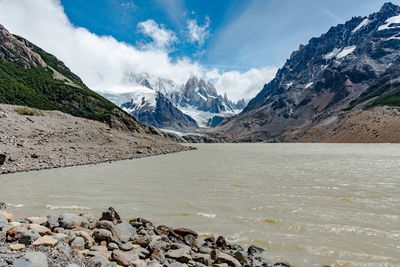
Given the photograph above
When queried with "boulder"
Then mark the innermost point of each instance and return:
(41, 229)
(101, 234)
(17, 247)
(37, 220)
(2, 159)
(70, 221)
(181, 255)
(202, 258)
(8, 215)
(104, 225)
(124, 258)
(89, 241)
(221, 242)
(78, 243)
(123, 231)
(183, 232)
(61, 237)
(99, 261)
(158, 255)
(111, 215)
(45, 241)
(37, 259)
(221, 257)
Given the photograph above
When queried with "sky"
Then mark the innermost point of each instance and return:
(237, 44)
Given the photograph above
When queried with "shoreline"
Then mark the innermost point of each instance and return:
(53, 139)
(81, 240)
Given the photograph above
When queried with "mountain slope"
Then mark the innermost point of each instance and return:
(353, 67)
(184, 107)
(29, 76)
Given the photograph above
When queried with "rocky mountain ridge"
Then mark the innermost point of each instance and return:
(187, 106)
(351, 67)
(31, 77)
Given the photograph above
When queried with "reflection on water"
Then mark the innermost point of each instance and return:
(309, 204)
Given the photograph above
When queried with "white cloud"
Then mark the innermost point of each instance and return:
(163, 39)
(196, 33)
(241, 85)
(102, 61)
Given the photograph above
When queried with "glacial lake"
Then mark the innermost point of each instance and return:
(308, 204)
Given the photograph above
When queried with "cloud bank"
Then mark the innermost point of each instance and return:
(102, 61)
(163, 39)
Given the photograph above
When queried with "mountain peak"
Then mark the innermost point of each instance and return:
(389, 6)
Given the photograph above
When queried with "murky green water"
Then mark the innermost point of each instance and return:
(309, 204)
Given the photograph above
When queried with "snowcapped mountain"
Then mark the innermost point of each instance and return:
(152, 108)
(165, 104)
(351, 69)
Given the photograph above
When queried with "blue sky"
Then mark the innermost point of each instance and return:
(236, 44)
(242, 34)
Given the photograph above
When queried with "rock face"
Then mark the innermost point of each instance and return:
(164, 104)
(137, 243)
(160, 113)
(352, 67)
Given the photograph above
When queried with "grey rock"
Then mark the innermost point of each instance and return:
(221, 257)
(52, 222)
(62, 237)
(3, 206)
(21, 263)
(71, 221)
(3, 219)
(158, 255)
(37, 259)
(123, 231)
(202, 258)
(112, 246)
(98, 248)
(142, 241)
(205, 250)
(104, 225)
(78, 243)
(99, 261)
(181, 255)
(126, 246)
(28, 237)
(101, 234)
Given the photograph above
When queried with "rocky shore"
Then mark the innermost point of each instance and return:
(81, 240)
(34, 139)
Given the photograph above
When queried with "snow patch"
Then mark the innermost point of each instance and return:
(346, 51)
(308, 85)
(201, 117)
(388, 22)
(205, 99)
(361, 25)
(289, 84)
(332, 54)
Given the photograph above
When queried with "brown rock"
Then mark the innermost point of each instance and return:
(123, 258)
(45, 241)
(8, 215)
(37, 220)
(221, 242)
(111, 215)
(41, 229)
(183, 232)
(17, 247)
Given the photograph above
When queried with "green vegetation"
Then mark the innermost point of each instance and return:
(28, 111)
(36, 88)
(390, 99)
